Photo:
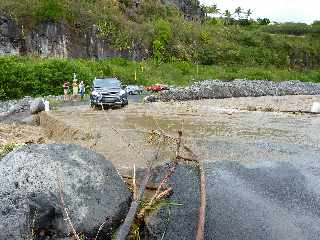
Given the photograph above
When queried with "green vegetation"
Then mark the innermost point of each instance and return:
(39, 77)
(226, 45)
(7, 148)
(231, 37)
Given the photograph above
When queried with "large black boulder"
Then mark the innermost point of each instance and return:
(93, 191)
(267, 200)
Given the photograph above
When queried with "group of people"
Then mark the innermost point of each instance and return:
(77, 89)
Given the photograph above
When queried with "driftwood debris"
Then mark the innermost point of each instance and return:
(125, 227)
(300, 112)
(163, 191)
(194, 158)
(65, 210)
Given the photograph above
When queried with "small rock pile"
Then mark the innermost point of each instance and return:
(24, 104)
(15, 106)
(239, 88)
(21, 111)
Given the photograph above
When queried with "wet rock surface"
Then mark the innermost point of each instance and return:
(239, 88)
(92, 188)
(267, 200)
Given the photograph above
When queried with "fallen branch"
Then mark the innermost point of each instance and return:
(163, 194)
(187, 159)
(134, 182)
(300, 111)
(125, 227)
(170, 172)
(67, 219)
(100, 228)
(202, 210)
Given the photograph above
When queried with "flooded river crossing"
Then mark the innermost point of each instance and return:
(237, 129)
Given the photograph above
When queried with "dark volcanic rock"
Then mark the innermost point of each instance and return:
(239, 88)
(20, 118)
(269, 200)
(150, 98)
(92, 188)
(18, 111)
(15, 106)
(180, 220)
(37, 106)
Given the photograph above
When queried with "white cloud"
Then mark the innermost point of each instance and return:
(276, 10)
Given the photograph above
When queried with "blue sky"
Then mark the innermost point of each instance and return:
(276, 10)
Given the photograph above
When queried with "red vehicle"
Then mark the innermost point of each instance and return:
(157, 88)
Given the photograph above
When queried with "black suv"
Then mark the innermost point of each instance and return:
(108, 92)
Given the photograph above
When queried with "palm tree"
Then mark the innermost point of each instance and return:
(238, 11)
(227, 14)
(211, 9)
(215, 9)
(248, 13)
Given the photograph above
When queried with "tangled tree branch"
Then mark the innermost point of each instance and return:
(67, 217)
(125, 227)
(162, 191)
(194, 158)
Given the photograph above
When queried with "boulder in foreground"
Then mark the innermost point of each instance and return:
(93, 191)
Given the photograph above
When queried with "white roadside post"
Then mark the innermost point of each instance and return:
(46, 106)
(315, 107)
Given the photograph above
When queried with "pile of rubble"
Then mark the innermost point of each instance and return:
(23, 111)
(15, 106)
(239, 88)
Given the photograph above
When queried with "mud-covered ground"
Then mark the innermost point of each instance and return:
(241, 129)
(21, 134)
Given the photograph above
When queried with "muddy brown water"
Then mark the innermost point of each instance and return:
(215, 129)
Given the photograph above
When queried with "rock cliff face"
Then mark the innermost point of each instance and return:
(190, 8)
(58, 40)
(10, 37)
(61, 40)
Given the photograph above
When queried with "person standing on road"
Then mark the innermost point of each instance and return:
(75, 89)
(81, 90)
(65, 90)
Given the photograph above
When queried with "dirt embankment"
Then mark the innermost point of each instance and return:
(21, 134)
(60, 131)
